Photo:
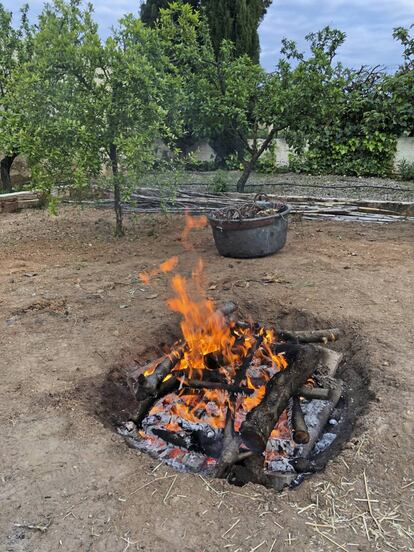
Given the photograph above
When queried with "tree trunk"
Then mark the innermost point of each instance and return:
(5, 167)
(119, 228)
(252, 163)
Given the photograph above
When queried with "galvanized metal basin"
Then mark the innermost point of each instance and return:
(249, 238)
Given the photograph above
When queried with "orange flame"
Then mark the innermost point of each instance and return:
(206, 332)
(166, 266)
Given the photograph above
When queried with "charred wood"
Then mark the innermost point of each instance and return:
(260, 422)
(232, 441)
(299, 428)
(311, 393)
(145, 405)
(148, 386)
(313, 336)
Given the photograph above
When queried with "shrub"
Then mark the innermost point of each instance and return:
(406, 170)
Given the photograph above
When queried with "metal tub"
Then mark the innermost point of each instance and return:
(253, 237)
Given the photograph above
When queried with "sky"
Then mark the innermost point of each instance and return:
(368, 25)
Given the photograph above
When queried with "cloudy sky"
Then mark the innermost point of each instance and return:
(367, 23)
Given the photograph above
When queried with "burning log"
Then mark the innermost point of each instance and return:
(148, 385)
(313, 336)
(241, 372)
(232, 442)
(145, 405)
(260, 422)
(299, 428)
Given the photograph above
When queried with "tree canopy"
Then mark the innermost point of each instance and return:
(234, 20)
(150, 9)
(233, 92)
(237, 21)
(95, 103)
(15, 51)
(81, 108)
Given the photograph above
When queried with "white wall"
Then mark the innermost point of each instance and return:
(405, 150)
(203, 152)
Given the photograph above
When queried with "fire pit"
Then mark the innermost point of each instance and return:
(235, 400)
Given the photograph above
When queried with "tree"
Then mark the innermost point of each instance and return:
(150, 10)
(401, 85)
(357, 131)
(15, 51)
(237, 21)
(231, 20)
(96, 102)
(234, 20)
(236, 93)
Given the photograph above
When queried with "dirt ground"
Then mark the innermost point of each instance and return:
(72, 311)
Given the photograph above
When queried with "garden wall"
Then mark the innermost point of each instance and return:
(203, 152)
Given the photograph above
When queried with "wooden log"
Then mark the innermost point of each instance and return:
(299, 428)
(261, 421)
(311, 393)
(241, 372)
(231, 447)
(145, 405)
(148, 385)
(232, 441)
(313, 336)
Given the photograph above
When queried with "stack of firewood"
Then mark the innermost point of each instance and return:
(9, 203)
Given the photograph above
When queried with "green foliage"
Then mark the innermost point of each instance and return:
(405, 170)
(150, 9)
(220, 183)
(96, 103)
(236, 21)
(354, 132)
(52, 205)
(400, 86)
(267, 163)
(364, 155)
(15, 51)
(236, 93)
(232, 20)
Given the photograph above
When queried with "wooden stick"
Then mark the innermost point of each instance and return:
(145, 405)
(299, 428)
(260, 422)
(148, 385)
(311, 393)
(314, 336)
(231, 443)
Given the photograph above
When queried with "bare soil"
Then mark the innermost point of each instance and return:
(72, 313)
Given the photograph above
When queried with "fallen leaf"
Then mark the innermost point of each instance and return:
(154, 296)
